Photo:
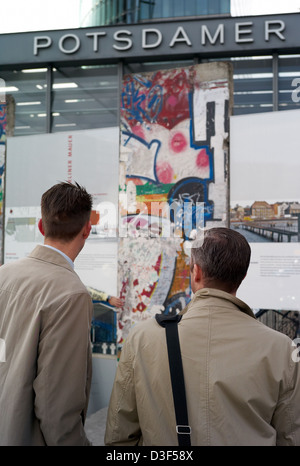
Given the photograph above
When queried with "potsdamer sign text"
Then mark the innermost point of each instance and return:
(197, 36)
(151, 38)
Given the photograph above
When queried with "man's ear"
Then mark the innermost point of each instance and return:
(40, 225)
(87, 229)
(197, 273)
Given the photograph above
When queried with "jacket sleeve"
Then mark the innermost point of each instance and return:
(122, 425)
(97, 295)
(62, 383)
(286, 418)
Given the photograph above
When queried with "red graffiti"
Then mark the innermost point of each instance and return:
(178, 142)
(161, 98)
(202, 160)
(164, 172)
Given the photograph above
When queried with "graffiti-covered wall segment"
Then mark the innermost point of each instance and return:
(173, 181)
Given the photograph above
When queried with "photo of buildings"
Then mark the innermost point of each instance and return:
(263, 221)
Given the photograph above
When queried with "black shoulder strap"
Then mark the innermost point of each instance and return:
(177, 378)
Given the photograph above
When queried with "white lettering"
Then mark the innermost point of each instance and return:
(295, 96)
(277, 31)
(96, 36)
(41, 42)
(2, 350)
(123, 39)
(145, 45)
(118, 456)
(239, 31)
(205, 33)
(154, 37)
(184, 37)
(67, 37)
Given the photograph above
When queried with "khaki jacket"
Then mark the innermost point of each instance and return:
(45, 367)
(242, 385)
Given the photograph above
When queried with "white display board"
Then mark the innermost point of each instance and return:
(264, 172)
(34, 164)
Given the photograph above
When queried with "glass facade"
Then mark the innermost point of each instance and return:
(254, 84)
(107, 12)
(87, 97)
(144, 67)
(29, 90)
(288, 82)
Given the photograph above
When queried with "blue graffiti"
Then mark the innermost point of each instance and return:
(189, 197)
(142, 106)
(177, 302)
(191, 207)
(155, 142)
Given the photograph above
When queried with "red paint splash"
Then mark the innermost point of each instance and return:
(167, 92)
(178, 142)
(138, 131)
(202, 160)
(176, 87)
(164, 172)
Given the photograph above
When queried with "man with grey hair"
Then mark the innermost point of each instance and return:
(242, 383)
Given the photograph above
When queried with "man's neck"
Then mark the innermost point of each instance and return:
(216, 287)
(67, 248)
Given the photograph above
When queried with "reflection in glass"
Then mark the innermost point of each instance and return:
(28, 89)
(85, 97)
(252, 83)
(289, 82)
(107, 12)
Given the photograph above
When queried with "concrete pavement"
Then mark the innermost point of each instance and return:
(95, 427)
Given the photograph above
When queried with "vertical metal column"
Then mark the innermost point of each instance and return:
(275, 82)
(49, 79)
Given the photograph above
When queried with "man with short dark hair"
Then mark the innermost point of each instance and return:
(242, 381)
(45, 321)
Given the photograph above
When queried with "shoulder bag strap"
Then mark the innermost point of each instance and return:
(177, 378)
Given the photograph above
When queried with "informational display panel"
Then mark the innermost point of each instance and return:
(34, 164)
(265, 205)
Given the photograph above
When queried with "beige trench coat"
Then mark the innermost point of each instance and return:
(243, 387)
(45, 371)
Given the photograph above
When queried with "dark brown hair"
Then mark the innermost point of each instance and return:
(66, 208)
(223, 257)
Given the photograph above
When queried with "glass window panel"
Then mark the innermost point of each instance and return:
(157, 9)
(155, 66)
(224, 6)
(28, 88)
(98, 13)
(129, 11)
(202, 7)
(213, 7)
(252, 84)
(144, 12)
(85, 97)
(189, 7)
(166, 10)
(179, 8)
(289, 82)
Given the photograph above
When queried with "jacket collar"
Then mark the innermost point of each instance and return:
(50, 255)
(214, 293)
